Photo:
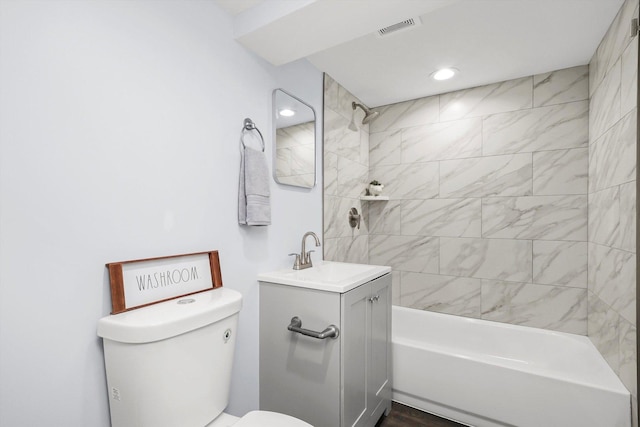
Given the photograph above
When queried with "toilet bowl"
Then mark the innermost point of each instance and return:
(169, 364)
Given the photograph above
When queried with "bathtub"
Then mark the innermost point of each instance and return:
(488, 374)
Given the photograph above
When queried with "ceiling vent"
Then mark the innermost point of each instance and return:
(400, 26)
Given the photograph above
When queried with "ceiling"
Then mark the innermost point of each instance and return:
(486, 40)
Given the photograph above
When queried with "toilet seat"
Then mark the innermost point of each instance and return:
(269, 419)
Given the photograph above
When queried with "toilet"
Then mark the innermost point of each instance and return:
(169, 364)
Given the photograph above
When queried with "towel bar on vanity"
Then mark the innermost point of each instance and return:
(330, 331)
(248, 126)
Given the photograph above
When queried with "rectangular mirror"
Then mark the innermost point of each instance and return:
(294, 154)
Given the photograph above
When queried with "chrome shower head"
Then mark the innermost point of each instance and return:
(369, 114)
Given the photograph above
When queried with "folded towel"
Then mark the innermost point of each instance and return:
(254, 206)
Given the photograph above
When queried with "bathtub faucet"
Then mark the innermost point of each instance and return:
(303, 259)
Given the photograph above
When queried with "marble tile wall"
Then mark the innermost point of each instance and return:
(346, 174)
(512, 202)
(613, 76)
(488, 190)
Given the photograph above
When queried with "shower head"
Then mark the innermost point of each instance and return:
(369, 115)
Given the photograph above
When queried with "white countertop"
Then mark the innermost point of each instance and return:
(327, 276)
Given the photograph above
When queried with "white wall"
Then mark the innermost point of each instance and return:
(119, 128)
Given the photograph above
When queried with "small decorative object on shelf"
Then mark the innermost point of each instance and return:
(375, 188)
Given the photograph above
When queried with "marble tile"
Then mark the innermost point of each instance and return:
(345, 107)
(330, 177)
(592, 263)
(441, 217)
(405, 253)
(353, 178)
(406, 114)
(604, 216)
(627, 225)
(629, 78)
(385, 148)
(499, 259)
(613, 44)
(613, 156)
(332, 227)
(614, 280)
(540, 306)
(561, 172)
(412, 181)
(439, 141)
(480, 101)
(330, 92)
(354, 249)
(384, 217)
(395, 287)
(347, 249)
(560, 263)
(627, 370)
(536, 217)
(443, 294)
(338, 138)
(546, 128)
(558, 87)
(336, 217)
(509, 175)
(330, 249)
(364, 147)
(603, 330)
(604, 108)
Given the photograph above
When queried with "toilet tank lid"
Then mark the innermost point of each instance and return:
(170, 318)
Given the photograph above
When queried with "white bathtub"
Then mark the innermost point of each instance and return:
(485, 373)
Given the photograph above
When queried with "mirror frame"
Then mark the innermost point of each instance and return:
(274, 118)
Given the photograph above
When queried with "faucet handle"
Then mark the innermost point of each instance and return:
(296, 263)
(307, 257)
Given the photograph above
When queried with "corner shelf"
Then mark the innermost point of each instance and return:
(374, 198)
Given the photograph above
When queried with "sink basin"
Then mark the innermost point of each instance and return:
(327, 276)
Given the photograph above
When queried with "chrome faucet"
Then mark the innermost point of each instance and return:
(303, 259)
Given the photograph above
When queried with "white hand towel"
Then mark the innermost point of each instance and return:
(254, 206)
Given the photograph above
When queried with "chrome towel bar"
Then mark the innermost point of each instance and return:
(330, 331)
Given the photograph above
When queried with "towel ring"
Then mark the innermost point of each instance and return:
(247, 127)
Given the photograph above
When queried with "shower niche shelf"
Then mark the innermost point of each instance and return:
(374, 198)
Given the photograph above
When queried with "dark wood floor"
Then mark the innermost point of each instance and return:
(405, 416)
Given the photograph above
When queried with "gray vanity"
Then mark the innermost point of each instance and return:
(325, 343)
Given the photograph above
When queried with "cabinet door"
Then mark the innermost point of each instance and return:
(299, 375)
(355, 343)
(379, 386)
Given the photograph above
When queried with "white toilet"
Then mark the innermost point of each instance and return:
(169, 364)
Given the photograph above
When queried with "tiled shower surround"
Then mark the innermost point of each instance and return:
(346, 171)
(513, 202)
(487, 215)
(612, 198)
(490, 186)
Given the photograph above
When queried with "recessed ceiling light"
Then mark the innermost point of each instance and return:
(444, 73)
(286, 112)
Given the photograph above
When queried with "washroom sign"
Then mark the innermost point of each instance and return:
(139, 283)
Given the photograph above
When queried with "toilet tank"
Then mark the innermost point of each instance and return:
(169, 364)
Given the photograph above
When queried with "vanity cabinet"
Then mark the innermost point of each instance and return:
(331, 382)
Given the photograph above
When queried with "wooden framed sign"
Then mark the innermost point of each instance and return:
(139, 283)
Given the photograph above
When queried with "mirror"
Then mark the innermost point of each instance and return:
(294, 154)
